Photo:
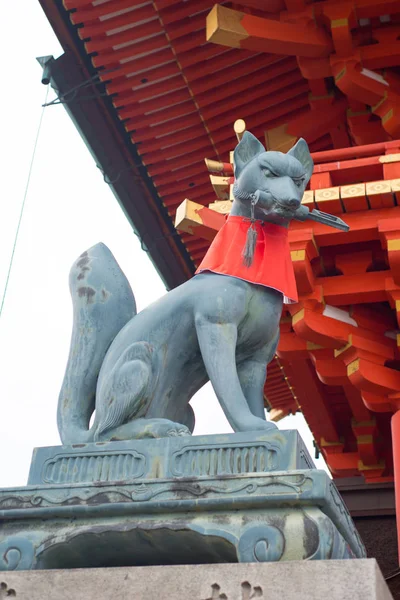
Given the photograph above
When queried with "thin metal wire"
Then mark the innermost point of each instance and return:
(392, 575)
(23, 202)
(110, 181)
(73, 92)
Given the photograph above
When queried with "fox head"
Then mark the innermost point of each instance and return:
(281, 179)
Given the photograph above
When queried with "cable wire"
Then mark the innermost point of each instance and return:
(392, 575)
(73, 91)
(23, 202)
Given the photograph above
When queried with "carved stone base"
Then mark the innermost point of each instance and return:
(336, 580)
(227, 498)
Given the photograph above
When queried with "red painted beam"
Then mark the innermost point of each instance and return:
(137, 66)
(184, 9)
(237, 29)
(273, 78)
(313, 403)
(124, 55)
(148, 93)
(167, 100)
(128, 87)
(221, 69)
(145, 130)
(108, 26)
(105, 43)
(183, 177)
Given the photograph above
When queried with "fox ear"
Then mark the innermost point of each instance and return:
(301, 152)
(245, 151)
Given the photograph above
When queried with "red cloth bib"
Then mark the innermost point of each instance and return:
(272, 265)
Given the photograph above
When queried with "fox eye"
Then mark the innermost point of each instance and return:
(299, 182)
(268, 172)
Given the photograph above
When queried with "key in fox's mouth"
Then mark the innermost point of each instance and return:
(285, 210)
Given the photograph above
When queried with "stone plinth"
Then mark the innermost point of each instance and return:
(336, 580)
(173, 457)
(184, 500)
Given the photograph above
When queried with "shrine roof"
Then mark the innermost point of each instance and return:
(173, 95)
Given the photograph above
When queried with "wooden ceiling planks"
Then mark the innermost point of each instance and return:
(175, 93)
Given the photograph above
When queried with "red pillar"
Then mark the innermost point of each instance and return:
(396, 468)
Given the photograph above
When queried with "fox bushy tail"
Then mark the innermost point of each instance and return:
(103, 303)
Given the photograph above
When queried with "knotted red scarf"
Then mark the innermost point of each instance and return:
(272, 265)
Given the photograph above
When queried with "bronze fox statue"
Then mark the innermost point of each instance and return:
(139, 371)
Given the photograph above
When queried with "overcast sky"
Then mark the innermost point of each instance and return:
(68, 209)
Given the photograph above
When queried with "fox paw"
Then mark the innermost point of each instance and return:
(256, 424)
(181, 431)
(161, 428)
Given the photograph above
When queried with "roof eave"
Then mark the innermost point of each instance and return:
(116, 156)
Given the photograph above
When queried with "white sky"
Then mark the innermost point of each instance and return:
(68, 209)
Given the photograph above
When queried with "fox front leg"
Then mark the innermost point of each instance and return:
(217, 343)
(252, 375)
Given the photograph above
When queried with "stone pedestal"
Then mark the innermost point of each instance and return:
(224, 498)
(336, 580)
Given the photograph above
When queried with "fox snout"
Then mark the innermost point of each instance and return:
(284, 191)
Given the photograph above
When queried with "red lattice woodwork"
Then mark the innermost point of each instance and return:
(356, 43)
